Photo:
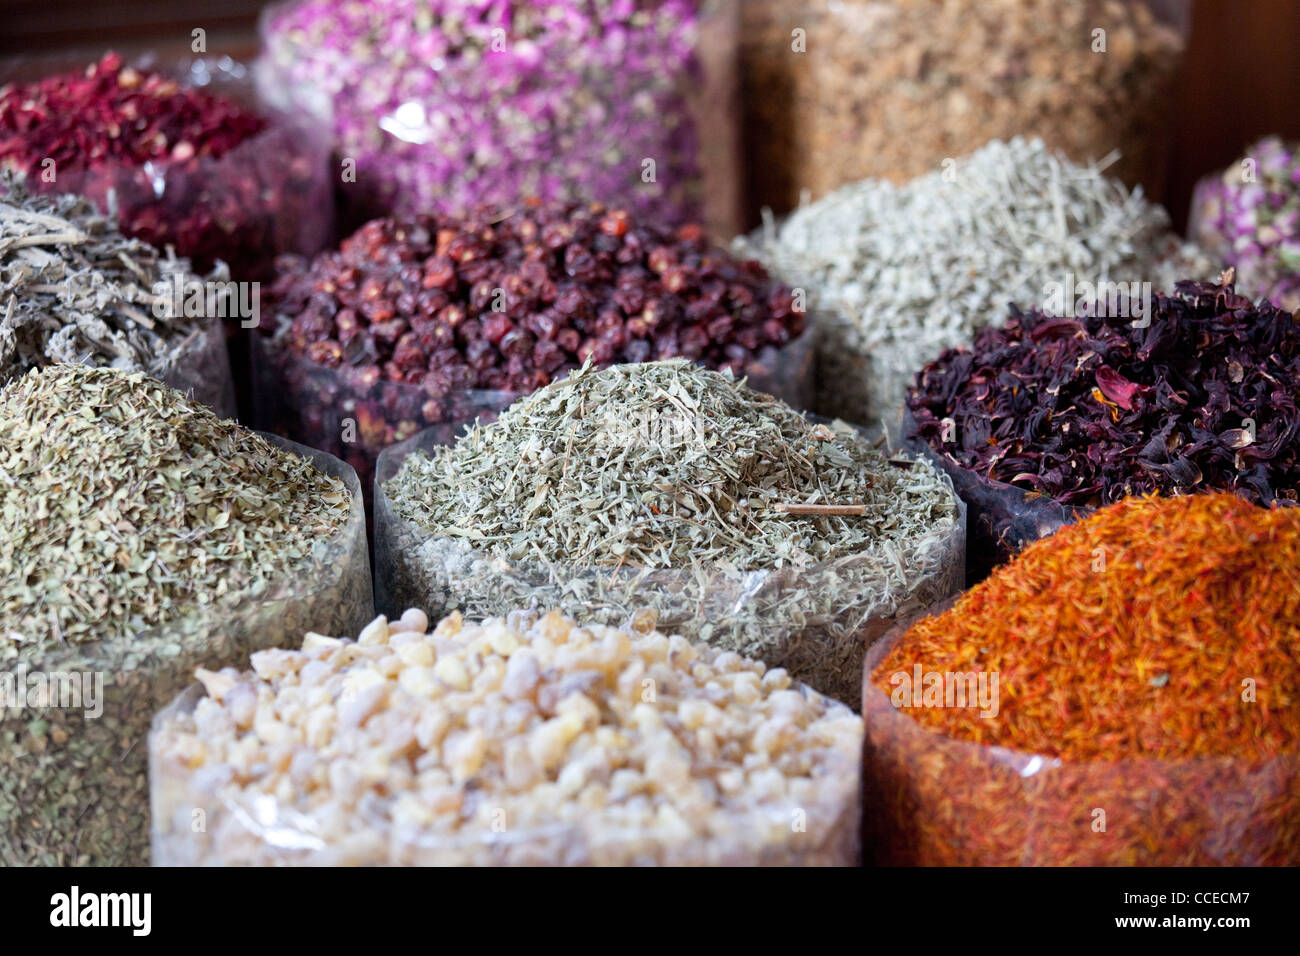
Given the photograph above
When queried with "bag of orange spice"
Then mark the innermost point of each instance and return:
(1122, 693)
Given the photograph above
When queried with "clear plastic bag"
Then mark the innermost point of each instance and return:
(495, 817)
(270, 194)
(645, 115)
(75, 792)
(815, 623)
(256, 831)
(931, 800)
(841, 90)
(1002, 518)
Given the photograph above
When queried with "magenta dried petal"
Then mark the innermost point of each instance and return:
(1116, 387)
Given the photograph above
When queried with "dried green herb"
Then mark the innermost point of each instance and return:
(669, 486)
(74, 289)
(140, 537)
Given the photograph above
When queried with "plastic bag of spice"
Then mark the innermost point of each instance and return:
(81, 292)
(597, 101)
(355, 414)
(1001, 518)
(933, 800)
(816, 623)
(74, 787)
(551, 756)
(258, 185)
(838, 91)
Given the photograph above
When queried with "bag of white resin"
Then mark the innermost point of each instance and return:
(522, 740)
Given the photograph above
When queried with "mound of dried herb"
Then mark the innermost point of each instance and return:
(670, 486)
(141, 536)
(1088, 409)
(74, 289)
(1147, 703)
(900, 273)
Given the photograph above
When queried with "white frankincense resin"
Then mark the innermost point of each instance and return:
(519, 740)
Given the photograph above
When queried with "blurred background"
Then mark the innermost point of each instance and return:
(1240, 81)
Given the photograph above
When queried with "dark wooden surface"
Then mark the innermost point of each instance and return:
(1241, 81)
(1242, 76)
(131, 26)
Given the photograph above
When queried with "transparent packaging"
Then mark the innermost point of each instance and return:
(842, 90)
(1002, 518)
(75, 792)
(932, 800)
(354, 413)
(643, 114)
(202, 371)
(816, 623)
(270, 194)
(242, 829)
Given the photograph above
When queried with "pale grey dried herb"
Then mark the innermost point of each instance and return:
(74, 289)
(141, 537)
(667, 486)
(900, 273)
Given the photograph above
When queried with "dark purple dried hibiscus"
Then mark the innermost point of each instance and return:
(1092, 409)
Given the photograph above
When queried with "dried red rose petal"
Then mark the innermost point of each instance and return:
(1201, 395)
(184, 166)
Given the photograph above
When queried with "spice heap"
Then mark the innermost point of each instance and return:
(1145, 677)
(1250, 216)
(180, 165)
(451, 104)
(1050, 417)
(506, 303)
(892, 89)
(73, 289)
(140, 537)
(905, 272)
(1199, 394)
(670, 486)
(119, 113)
(523, 740)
